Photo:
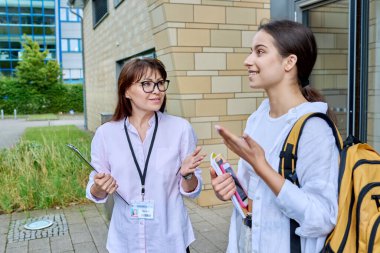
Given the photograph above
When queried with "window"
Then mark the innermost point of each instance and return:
(100, 10)
(116, 3)
(63, 14)
(64, 45)
(72, 16)
(330, 75)
(74, 45)
(71, 45)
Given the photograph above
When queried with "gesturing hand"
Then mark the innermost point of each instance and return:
(103, 184)
(191, 162)
(244, 146)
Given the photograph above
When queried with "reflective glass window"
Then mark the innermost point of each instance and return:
(26, 19)
(38, 20)
(14, 29)
(100, 9)
(74, 45)
(13, 19)
(26, 29)
(3, 19)
(50, 30)
(25, 10)
(49, 20)
(13, 10)
(15, 44)
(4, 44)
(63, 13)
(64, 45)
(5, 64)
(72, 17)
(3, 30)
(38, 30)
(329, 24)
(49, 11)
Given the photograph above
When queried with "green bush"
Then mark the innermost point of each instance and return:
(54, 99)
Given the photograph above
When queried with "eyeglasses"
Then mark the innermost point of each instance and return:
(148, 86)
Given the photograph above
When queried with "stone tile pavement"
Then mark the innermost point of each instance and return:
(84, 229)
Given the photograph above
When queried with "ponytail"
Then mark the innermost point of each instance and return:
(313, 95)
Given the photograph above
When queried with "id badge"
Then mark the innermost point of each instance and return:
(142, 209)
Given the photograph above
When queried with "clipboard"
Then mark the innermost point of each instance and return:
(88, 164)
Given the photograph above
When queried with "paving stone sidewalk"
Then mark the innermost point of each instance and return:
(83, 228)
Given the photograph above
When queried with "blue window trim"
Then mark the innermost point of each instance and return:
(68, 45)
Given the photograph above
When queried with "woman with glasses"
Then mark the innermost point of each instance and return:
(150, 160)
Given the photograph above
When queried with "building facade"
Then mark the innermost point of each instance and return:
(36, 19)
(203, 44)
(51, 24)
(69, 44)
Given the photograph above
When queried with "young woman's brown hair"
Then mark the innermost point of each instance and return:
(131, 72)
(294, 38)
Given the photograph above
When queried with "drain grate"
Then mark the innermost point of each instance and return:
(17, 231)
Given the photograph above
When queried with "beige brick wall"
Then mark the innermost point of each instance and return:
(121, 34)
(212, 38)
(203, 45)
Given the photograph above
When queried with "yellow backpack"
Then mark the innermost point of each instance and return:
(357, 228)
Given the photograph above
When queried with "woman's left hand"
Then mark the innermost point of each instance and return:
(191, 162)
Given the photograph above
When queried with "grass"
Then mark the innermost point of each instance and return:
(41, 172)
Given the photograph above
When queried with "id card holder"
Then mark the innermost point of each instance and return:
(142, 210)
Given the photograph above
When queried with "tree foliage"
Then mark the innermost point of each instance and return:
(38, 86)
(35, 70)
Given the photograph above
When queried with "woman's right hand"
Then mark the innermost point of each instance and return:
(103, 184)
(223, 185)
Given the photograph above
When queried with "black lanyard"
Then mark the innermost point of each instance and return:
(142, 174)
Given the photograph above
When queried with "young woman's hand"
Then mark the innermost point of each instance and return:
(254, 154)
(191, 162)
(244, 146)
(103, 184)
(223, 185)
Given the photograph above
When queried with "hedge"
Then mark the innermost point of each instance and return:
(27, 100)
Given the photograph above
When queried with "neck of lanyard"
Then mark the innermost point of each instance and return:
(142, 174)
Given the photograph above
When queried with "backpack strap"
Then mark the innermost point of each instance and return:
(288, 160)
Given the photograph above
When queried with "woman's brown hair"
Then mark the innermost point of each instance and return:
(131, 72)
(294, 38)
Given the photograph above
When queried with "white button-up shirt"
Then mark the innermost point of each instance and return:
(314, 206)
(170, 230)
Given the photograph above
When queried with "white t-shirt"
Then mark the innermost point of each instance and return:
(314, 206)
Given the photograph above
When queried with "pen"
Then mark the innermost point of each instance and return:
(76, 151)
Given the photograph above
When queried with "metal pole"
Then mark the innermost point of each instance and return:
(15, 113)
(2, 114)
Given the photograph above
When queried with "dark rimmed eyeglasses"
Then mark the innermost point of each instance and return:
(148, 86)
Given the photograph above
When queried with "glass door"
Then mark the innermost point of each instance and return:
(330, 25)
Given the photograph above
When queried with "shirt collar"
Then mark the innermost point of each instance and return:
(151, 121)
